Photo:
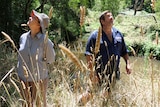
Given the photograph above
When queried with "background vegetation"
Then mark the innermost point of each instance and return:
(140, 32)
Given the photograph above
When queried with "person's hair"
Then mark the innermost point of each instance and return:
(102, 16)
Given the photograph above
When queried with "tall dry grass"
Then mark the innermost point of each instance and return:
(67, 82)
(141, 88)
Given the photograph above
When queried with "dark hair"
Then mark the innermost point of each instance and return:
(102, 16)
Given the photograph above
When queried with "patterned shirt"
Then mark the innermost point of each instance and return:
(30, 60)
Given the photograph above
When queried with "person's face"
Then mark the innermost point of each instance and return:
(108, 19)
(33, 21)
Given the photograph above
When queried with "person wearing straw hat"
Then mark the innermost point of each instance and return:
(35, 55)
(112, 47)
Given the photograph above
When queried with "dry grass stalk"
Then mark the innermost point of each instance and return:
(6, 76)
(45, 46)
(23, 85)
(152, 80)
(25, 72)
(133, 51)
(82, 15)
(141, 31)
(159, 93)
(10, 98)
(8, 38)
(50, 13)
(23, 25)
(37, 65)
(97, 45)
(46, 37)
(84, 65)
(157, 40)
(15, 85)
(71, 56)
(85, 97)
(153, 4)
(3, 41)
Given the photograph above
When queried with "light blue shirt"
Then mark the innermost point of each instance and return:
(31, 56)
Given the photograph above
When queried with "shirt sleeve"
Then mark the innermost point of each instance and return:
(90, 44)
(124, 47)
(50, 53)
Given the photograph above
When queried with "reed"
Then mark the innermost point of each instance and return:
(9, 95)
(82, 18)
(133, 51)
(82, 15)
(23, 85)
(73, 58)
(15, 85)
(25, 72)
(152, 80)
(13, 44)
(25, 67)
(157, 38)
(153, 4)
(142, 33)
(9, 39)
(159, 93)
(6, 76)
(46, 37)
(97, 45)
(3, 41)
(50, 12)
(45, 45)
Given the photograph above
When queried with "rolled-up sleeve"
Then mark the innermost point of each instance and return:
(124, 48)
(50, 54)
(91, 44)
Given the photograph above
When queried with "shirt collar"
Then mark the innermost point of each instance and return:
(114, 32)
(38, 36)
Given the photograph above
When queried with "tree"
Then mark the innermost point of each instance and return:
(66, 18)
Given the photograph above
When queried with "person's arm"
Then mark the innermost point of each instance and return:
(126, 58)
(50, 52)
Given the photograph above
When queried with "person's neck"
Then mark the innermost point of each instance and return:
(108, 31)
(34, 32)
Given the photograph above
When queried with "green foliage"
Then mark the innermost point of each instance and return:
(147, 6)
(102, 5)
(157, 52)
(65, 18)
(151, 33)
(157, 6)
(112, 6)
(97, 6)
(124, 4)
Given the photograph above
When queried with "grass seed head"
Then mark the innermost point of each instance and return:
(8, 38)
(73, 58)
(50, 12)
(97, 45)
(82, 15)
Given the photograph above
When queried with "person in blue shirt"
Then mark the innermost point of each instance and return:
(112, 47)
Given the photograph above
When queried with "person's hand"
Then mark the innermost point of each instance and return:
(128, 69)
